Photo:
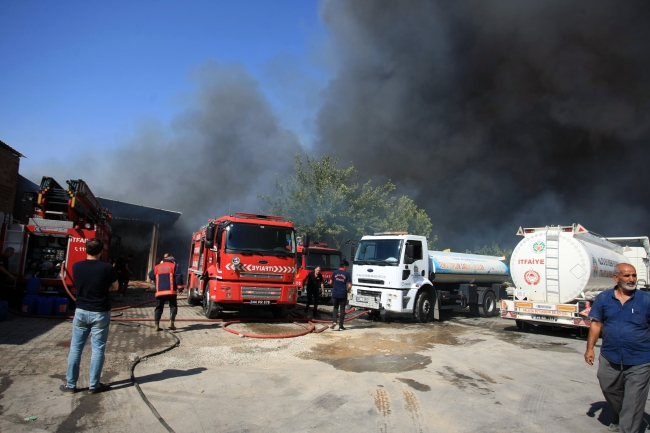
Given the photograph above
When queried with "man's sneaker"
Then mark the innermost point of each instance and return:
(156, 328)
(342, 328)
(101, 388)
(65, 389)
(613, 427)
(333, 326)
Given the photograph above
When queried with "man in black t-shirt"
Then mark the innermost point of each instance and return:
(315, 281)
(4, 267)
(125, 274)
(93, 280)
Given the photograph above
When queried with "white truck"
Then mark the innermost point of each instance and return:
(393, 272)
(559, 270)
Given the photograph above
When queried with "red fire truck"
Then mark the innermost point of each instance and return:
(317, 254)
(243, 260)
(60, 222)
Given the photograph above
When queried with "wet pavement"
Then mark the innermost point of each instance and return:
(463, 374)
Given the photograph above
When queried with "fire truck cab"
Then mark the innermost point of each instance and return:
(311, 256)
(243, 260)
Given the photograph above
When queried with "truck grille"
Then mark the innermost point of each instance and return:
(368, 281)
(367, 298)
(250, 292)
(266, 276)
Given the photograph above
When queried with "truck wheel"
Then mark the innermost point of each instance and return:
(209, 309)
(279, 312)
(489, 305)
(191, 297)
(473, 309)
(423, 307)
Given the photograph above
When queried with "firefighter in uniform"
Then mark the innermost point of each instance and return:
(169, 281)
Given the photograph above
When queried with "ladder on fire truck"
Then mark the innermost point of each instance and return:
(552, 264)
(76, 202)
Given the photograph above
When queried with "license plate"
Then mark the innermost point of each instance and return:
(546, 318)
(261, 302)
(362, 299)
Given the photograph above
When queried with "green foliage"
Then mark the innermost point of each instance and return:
(330, 203)
(493, 250)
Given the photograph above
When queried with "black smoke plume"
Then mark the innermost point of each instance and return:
(224, 149)
(496, 114)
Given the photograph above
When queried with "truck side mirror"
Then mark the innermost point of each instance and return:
(209, 237)
(305, 244)
(408, 255)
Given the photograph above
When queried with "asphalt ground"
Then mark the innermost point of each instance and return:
(463, 374)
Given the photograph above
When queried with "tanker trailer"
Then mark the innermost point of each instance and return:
(558, 271)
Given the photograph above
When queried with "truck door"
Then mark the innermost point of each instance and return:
(415, 267)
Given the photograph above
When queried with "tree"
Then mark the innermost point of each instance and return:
(493, 250)
(329, 202)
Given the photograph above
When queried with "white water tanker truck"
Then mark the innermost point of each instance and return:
(393, 272)
(559, 270)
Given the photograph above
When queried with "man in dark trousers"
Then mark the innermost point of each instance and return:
(314, 282)
(622, 314)
(93, 280)
(168, 280)
(342, 286)
(125, 274)
(4, 267)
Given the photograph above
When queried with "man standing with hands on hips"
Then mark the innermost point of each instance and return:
(342, 285)
(622, 314)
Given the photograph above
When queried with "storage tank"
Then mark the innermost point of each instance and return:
(561, 264)
(467, 268)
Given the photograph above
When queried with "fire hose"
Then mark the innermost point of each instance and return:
(309, 326)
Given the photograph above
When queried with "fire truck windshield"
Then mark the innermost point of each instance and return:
(260, 238)
(380, 251)
(326, 261)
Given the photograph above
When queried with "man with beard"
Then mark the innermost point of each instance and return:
(622, 315)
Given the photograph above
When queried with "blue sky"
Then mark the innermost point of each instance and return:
(75, 75)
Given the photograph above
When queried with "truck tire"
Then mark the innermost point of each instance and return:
(489, 304)
(209, 309)
(424, 307)
(521, 325)
(279, 312)
(191, 296)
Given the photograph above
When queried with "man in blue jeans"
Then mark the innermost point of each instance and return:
(93, 280)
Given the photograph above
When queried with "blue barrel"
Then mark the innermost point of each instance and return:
(34, 286)
(29, 304)
(4, 309)
(45, 306)
(61, 306)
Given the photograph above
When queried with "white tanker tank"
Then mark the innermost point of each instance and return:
(563, 264)
(467, 268)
